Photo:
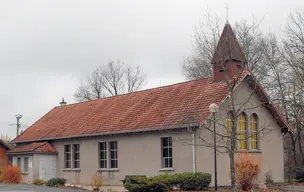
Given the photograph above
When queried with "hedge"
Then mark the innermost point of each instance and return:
(166, 182)
(39, 182)
(192, 181)
(58, 181)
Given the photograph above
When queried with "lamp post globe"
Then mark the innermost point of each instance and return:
(213, 108)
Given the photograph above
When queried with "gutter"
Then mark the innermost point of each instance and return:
(31, 152)
(194, 151)
(174, 127)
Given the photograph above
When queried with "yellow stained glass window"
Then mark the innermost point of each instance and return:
(229, 124)
(242, 131)
(254, 131)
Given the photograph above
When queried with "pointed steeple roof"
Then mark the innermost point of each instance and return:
(228, 47)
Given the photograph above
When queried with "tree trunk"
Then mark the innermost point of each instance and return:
(293, 145)
(232, 171)
(232, 154)
(300, 147)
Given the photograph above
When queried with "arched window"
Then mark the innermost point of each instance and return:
(254, 131)
(242, 129)
(229, 125)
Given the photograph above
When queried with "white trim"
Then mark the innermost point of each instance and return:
(108, 170)
(166, 169)
(71, 169)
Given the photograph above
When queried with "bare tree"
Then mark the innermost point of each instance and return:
(110, 80)
(227, 120)
(294, 44)
(263, 54)
(291, 101)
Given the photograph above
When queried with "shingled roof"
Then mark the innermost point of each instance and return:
(228, 47)
(159, 108)
(167, 107)
(5, 144)
(39, 147)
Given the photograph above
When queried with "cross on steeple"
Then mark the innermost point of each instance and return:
(227, 13)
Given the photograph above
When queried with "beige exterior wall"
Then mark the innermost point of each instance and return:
(137, 155)
(270, 139)
(140, 154)
(29, 176)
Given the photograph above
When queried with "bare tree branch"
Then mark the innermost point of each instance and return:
(109, 80)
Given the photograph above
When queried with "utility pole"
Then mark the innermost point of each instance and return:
(18, 117)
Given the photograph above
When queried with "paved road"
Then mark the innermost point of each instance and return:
(293, 188)
(33, 188)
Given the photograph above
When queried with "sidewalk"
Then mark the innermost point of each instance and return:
(109, 188)
(293, 188)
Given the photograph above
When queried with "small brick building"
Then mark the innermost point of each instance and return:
(4, 147)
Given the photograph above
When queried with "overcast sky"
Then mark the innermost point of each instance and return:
(48, 47)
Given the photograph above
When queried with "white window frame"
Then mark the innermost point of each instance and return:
(72, 159)
(115, 157)
(168, 157)
(19, 164)
(74, 152)
(25, 168)
(65, 156)
(102, 160)
(109, 158)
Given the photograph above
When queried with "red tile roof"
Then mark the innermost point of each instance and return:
(5, 144)
(40, 147)
(165, 107)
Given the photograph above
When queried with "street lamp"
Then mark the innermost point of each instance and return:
(213, 108)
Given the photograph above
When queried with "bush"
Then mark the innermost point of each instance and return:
(38, 182)
(165, 182)
(142, 184)
(268, 177)
(97, 181)
(1, 175)
(247, 168)
(12, 174)
(192, 181)
(299, 173)
(56, 182)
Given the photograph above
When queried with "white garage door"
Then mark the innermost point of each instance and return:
(47, 167)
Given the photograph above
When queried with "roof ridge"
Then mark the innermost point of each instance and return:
(139, 91)
(41, 144)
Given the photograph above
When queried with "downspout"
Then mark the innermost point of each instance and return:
(194, 150)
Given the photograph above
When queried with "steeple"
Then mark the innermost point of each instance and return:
(228, 57)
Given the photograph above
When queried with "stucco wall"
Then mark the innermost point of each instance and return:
(137, 154)
(140, 154)
(26, 177)
(270, 139)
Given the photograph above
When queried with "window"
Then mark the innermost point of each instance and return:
(242, 128)
(229, 125)
(19, 162)
(167, 152)
(67, 156)
(254, 131)
(103, 155)
(76, 158)
(113, 154)
(25, 165)
(72, 154)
